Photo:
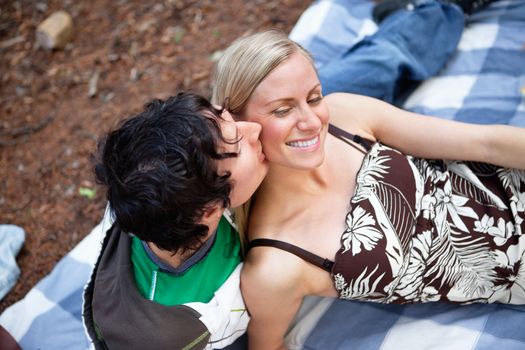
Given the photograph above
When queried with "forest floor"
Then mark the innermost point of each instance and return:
(127, 52)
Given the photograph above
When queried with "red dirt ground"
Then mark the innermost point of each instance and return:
(49, 126)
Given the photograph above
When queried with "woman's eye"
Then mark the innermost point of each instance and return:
(315, 100)
(282, 112)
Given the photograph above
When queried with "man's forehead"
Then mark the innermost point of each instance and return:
(230, 133)
(229, 129)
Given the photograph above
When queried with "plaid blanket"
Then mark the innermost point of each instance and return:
(483, 83)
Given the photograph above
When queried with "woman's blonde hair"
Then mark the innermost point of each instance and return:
(246, 63)
(242, 67)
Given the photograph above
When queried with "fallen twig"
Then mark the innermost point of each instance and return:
(25, 130)
(10, 42)
(29, 129)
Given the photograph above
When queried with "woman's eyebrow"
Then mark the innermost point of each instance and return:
(290, 99)
(282, 99)
(314, 88)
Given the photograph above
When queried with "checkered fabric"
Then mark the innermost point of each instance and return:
(483, 83)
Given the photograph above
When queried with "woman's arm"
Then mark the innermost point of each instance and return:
(429, 137)
(271, 288)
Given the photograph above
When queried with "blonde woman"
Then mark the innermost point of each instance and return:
(362, 200)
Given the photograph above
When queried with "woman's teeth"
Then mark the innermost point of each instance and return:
(303, 144)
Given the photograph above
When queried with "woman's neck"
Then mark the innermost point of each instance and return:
(284, 197)
(289, 188)
(285, 179)
(285, 191)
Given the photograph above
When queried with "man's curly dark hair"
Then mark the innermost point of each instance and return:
(160, 171)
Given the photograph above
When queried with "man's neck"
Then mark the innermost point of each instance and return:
(170, 258)
(176, 259)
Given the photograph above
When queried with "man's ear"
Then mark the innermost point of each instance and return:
(212, 215)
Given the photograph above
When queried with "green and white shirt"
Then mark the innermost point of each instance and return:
(195, 280)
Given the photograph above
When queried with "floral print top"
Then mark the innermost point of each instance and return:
(424, 230)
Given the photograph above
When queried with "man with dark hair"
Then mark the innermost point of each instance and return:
(167, 275)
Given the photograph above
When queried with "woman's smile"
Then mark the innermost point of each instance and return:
(307, 144)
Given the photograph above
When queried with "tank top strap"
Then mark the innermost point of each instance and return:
(312, 258)
(346, 137)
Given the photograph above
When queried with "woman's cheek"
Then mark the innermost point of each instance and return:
(269, 139)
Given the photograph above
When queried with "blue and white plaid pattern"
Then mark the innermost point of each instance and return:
(50, 315)
(484, 83)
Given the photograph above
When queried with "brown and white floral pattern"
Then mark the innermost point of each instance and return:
(425, 230)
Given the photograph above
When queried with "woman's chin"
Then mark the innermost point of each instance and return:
(305, 164)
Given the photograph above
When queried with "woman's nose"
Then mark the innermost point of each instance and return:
(308, 119)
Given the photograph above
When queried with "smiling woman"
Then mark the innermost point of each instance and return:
(388, 219)
(292, 113)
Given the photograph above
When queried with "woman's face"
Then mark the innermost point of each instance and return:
(289, 106)
(250, 167)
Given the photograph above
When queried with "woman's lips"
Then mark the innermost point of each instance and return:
(304, 143)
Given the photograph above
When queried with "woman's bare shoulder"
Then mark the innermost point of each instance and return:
(344, 100)
(271, 270)
(351, 112)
